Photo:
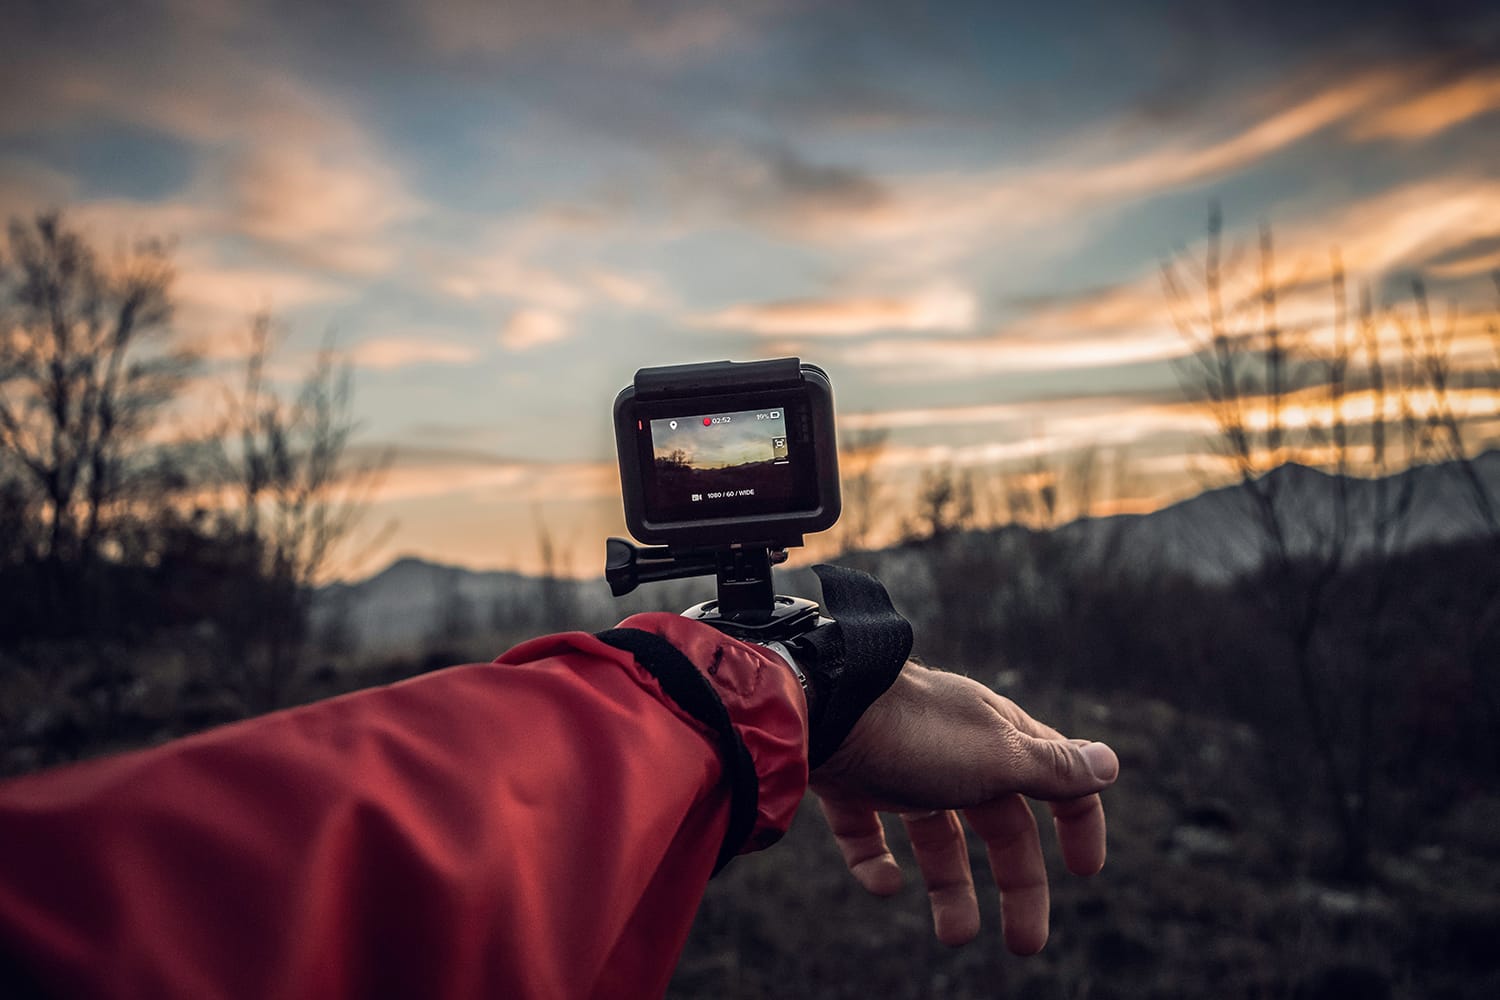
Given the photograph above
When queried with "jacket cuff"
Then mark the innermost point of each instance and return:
(764, 701)
(765, 704)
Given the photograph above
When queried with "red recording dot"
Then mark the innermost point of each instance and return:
(707, 421)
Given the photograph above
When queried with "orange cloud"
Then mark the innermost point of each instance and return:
(280, 161)
(1438, 109)
(1404, 228)
(969, 358)
(425, 475)
(925, 221)
(630, 291)
(1407, 226)
(939, 309)
(1468, 267)
(1068, 422)
(530, 328)
(332, 209)
(388, 353)
(1121, 325)
(1283, 128)
(243, 291)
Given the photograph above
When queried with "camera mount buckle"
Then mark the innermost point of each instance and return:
(747, 607)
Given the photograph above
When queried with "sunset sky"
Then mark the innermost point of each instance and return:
(501, 210)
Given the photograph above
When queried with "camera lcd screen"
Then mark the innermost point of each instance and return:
(727, 453)
(727, 464)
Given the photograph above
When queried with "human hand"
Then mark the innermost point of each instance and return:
(935, 743)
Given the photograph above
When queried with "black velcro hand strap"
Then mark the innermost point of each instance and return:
(693, 693)
(853, 662)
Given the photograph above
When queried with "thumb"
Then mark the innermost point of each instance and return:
(1054, 769)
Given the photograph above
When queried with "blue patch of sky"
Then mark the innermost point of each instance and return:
(486, 156)
(110, 160)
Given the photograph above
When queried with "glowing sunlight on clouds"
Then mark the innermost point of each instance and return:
(387, 353)
(331, 209)
(529, 328)
(527, 194)
(417, 475)
(1436, 110)
(233, 294)
(937, 309)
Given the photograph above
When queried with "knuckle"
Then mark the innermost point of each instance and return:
(1059, 760)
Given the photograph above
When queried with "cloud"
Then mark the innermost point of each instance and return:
(207, 291)
(544, 259)
(1188, 163)
(529, 328)
(1033, 428)
(654, 32)
(1118, 325)
(1408, 226)
(774, 186)
(925, 220)
(1467, 265)
(241, 291)
(505, 276)
(937, 309)
(183, 68)
(944, 416)
(632, 291)
(331, 208)
(1444, 226)
(1435, 110)
(275, 159)
(113, 221)
(388, 353)
(424, 473)
(995, 355)
(213, 300)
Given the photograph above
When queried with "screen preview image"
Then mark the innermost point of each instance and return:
(722, 456)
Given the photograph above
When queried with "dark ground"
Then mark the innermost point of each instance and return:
(1201, 897)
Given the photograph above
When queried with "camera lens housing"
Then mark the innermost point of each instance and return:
(728, 453)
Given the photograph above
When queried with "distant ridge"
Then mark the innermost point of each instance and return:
(1211, 536)
(1214, 536)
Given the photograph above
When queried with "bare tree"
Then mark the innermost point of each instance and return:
(1250, 372)
(1451, 432)
(859, 457)
(1456, 437)
(87, 361)
(559, 596)
(1247, 368)
(295, 496)
(944, 503)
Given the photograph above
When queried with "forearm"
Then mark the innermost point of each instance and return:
(536, 828)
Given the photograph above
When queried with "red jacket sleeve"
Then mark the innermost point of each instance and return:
(542, 826)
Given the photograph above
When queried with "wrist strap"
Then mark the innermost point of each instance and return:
(692, 692)
(853, 661)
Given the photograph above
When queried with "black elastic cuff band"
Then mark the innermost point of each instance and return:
(693, 693)
(853, 661)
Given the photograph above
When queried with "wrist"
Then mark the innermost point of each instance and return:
(809, 690)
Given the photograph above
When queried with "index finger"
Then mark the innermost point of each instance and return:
(1079, 822)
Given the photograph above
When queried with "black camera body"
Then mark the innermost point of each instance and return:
(723, 466)
(728, 453)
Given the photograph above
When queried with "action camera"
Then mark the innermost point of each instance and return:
(728, 454)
